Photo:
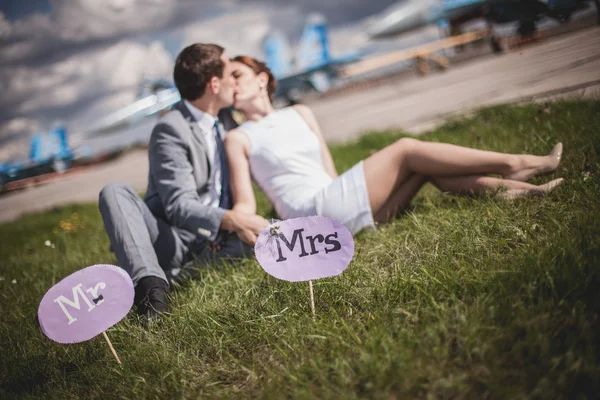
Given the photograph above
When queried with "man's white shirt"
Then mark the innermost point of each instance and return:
(206, 123)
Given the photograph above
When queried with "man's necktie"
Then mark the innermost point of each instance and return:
(225, 200)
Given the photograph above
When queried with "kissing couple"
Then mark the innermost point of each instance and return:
(200, 208)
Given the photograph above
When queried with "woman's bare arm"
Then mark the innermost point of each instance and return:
(237, 147)
(310, 119)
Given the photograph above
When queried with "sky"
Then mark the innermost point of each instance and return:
(74, 61)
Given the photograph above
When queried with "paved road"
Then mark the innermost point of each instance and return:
(420, 103)
(568, 63)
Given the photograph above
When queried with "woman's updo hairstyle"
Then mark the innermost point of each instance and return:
(258, 67)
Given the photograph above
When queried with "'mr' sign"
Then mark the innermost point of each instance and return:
(86, 303)
(303, 249)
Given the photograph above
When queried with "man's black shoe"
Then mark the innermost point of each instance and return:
(151, 298)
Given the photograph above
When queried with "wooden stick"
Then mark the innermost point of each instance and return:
(111, 347)
(312, 299)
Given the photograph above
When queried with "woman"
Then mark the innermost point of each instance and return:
(284, 151)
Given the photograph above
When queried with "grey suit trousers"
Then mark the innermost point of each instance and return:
(148, 246)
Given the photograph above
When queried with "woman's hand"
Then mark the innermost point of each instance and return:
(246, 226)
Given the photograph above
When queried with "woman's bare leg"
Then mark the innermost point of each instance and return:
(478, 184)
(465, 185)
(400, 199)
(388, 169)
(481, 184)
(443, 159)
(540, 190)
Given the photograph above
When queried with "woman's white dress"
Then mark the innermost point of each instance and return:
(285, 161)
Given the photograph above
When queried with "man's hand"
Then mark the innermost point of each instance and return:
(247, 226)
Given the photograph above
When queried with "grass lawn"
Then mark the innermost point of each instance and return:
(457, 298)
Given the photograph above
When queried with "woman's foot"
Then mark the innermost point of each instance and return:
(538, 191)
(548, 165)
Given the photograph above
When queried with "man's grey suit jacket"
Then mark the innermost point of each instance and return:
(179, 178)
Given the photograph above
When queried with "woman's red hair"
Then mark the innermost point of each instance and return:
(258, 67)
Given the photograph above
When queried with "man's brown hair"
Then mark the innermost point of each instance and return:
(194, 68)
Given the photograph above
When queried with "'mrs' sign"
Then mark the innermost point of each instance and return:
(303, 249)
(86, 303)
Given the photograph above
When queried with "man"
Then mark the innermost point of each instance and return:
(186, 215)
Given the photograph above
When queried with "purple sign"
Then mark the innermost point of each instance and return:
(302, 249)
(86, 303)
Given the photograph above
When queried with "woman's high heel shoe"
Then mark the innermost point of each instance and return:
(550, 166)
(555, 156)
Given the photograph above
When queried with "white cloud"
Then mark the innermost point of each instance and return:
(240, 31)
(83, 60)
(21, 129)
(82, 20)
(81, 88)
(78, 25)
(117, 72)
(5, 27)
(18, 126)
